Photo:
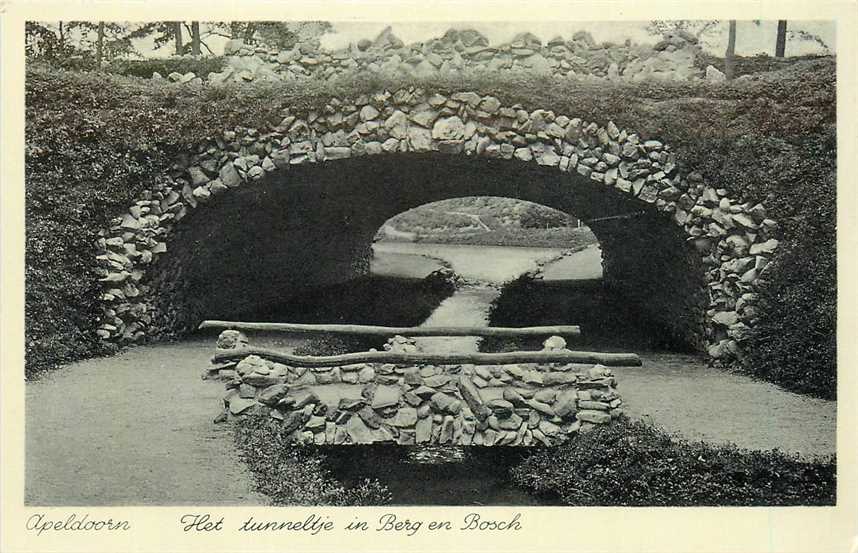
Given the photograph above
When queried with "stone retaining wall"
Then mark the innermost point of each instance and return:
(515, 405)
(672, 58)
(733, 240)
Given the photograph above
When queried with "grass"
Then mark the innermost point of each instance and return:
(292, 474)
(631, 463)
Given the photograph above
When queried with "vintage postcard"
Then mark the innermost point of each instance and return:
(491, 276)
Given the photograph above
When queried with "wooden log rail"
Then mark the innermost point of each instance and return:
(398, 358)
(372, 330)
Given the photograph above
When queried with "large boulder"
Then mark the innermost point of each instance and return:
(526, 40)
(468, 37)
(386, 39)
(233, 47)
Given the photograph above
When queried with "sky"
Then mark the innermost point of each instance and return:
(751, 38)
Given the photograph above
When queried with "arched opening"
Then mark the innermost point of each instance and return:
(311, 191)
(312, 226)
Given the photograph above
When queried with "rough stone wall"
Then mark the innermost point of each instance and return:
(672, 58)
(734, 240)
(469, 405)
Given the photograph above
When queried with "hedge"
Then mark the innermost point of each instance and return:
(201, 67)
(748, 65)
(292, 474)
(94, 141)
(635, 464)
(143, 68)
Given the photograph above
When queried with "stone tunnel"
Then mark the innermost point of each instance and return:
(263, 244)
(297, 206)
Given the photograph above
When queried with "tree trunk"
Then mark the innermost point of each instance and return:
(195, 38)
(249, 32)
(780, 45)
(99, 44)
(177, 31)
(729, 56)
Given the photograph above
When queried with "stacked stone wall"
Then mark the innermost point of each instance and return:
(672, 58)
(466, 405)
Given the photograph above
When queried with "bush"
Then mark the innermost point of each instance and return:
(749, 65)
(201, 67)
(635, 464)
(292, 474)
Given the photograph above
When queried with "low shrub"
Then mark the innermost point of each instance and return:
(201, 67)
(292, 474)
(635, 464)
(749, 65)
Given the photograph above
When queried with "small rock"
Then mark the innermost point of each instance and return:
(386, 396)
(501, 407)
(713, 75)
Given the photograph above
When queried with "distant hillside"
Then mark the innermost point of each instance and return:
(486, 221)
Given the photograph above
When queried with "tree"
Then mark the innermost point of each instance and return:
(195, 39)
(81, 43)
(701, 29)
(112, 40)
(285, 35)
(177, 35)
(780, 43)
(729, 56)
(99, 45)
(43, 41)
(279, 35)
(810, 37)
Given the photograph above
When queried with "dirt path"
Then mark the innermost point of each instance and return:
(683, 395)
(134, 429)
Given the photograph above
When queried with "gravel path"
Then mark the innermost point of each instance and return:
(685, 396)
(134, 429)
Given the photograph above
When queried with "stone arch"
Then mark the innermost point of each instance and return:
(724, 244)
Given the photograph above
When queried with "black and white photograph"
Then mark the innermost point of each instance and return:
(474, 263)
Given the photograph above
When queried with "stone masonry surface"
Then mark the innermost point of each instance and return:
(470, 405)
